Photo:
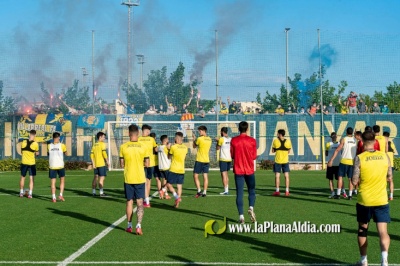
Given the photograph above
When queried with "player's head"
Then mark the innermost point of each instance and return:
(349, 131)
(164, 139)
(32, 134)
(224, 131)
(386, 134)
(243, 127)
(281, 132)
(178, 137)
(376, 129)
(153, 135)
(133, 130)
(358, 135)
(100, 136)
(333, 136)
(368, 138)
(146, 130)
(202, 130)
(56, 137)
(368, 128)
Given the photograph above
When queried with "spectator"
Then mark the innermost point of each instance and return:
(312, 110)
(71, 109)
(239, 110)
(376, 109)
(325, 109)
(330, 109)
(186, 105)
(362, 108)
(232, 107)
(385, 109)
(302, 110)
(200, 110)
(257, 111)
(115, 112)
(223, 109)
(175, 109)
(279, 110)
(352, 102)
(104, 108)
(247, 111)
(161, 110)
(170, 109)
(212, 111)
(151, 111)
(130, 109)
(343, 107)
(289, 111)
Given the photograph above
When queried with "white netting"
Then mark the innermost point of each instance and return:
(117, 134)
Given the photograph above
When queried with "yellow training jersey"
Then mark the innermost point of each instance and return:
(224, 110)
(282, 148)
(178, 152)
(372, 189)
(28, 149)
(134, 154)
(99, 154)
(390, 152)
(203, 149)
(382, 143)
(149, 144)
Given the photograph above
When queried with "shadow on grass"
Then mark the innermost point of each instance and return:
(16, 194)
(313, 199)
(181, 259)
(370, 233)
(276, 251)
(82, 217)
(110, 197)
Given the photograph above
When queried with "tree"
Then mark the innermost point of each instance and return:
(135, 96)
(155, 86)
(7, 103)
(76, 97)
(393, 97)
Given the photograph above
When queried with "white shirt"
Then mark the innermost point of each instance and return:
(331, 147)
(163, 162)
(56, 155)
(225, 150)
(349, 148)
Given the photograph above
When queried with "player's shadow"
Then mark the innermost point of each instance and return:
(82, 217)
(110, 197)
(164, 206)
(370, 233)
(181, 259)
(327, 201)
(277, 251)
(16, 194)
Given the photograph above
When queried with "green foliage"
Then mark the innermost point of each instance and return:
(136, 96)
(42, 164)
(266, 164)
(396, 162)
(77, 97)
(7, 103)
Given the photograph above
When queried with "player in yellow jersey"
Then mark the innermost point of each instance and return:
(281, 146)
(202, 164)
(133, 158)
(176, 174)
(381, 139)
(56, 152)
(150, 145)
(99, 162)
(156, 170)
(390, 153)
(29, 148)
(372, 170)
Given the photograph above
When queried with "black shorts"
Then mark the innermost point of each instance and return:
(224, 166)
(174, 178)
(101, 171)
(156, 172)
(25, 168)
(332, 171)
(164, 174)
(54, 172)
(148, 171)
(134, 191)
(281, 167)
(345, 170)
(200, 168)
(380, 214)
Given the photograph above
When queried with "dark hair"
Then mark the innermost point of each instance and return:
(349, 131)
(368, 136)
(153, 135)
(100, 134)
(376, 128)
(224, 130)
(33, 132)
(386, 134)
(163, 137)
(145, 126)
(202, 128)
(133, 129)
(368, 128)
(243, 126)
(56, 135)
(333, 134)
(180, 134)
(281, 132)
(358, 133)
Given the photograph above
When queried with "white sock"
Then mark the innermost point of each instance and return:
(101, 191)
(53, 195)
(277, 189)
(287, 189)
(129, 224)
(199, 190)
(138, 226)
(166, 193)
(147, 200)
(241, 217)
(251, 207)
(391, 195)
(204, 192)
(164, 189)
(343, 191)
(60, 194)
(384, 255)
(355, 191)
(350, 193)
(30, 192)
(338, 192)
(226, 189)
(363, 258)
(93, 191)
(21, 191)
(176, 195)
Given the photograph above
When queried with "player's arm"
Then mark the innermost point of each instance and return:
(327, 146)
(356, 171)
(146, 162)
(219, 143)
(92, 158)
(195, 144)
(232, 151)
(36, 148)
(122, 162)
(254, 150)
(64, 149)
(273, 147)
(389, 175)
(338, 149)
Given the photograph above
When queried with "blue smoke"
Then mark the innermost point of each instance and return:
(328, 55)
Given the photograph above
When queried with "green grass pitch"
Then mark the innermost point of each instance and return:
(42, 232)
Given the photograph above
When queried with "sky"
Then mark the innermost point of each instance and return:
(50, 41)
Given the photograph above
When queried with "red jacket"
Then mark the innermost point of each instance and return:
(243, 152)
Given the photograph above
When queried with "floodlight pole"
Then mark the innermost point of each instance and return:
(216, 73)
(129, 4)
(141, 61)
(287, 62)
(93, 86)
(321, 103)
